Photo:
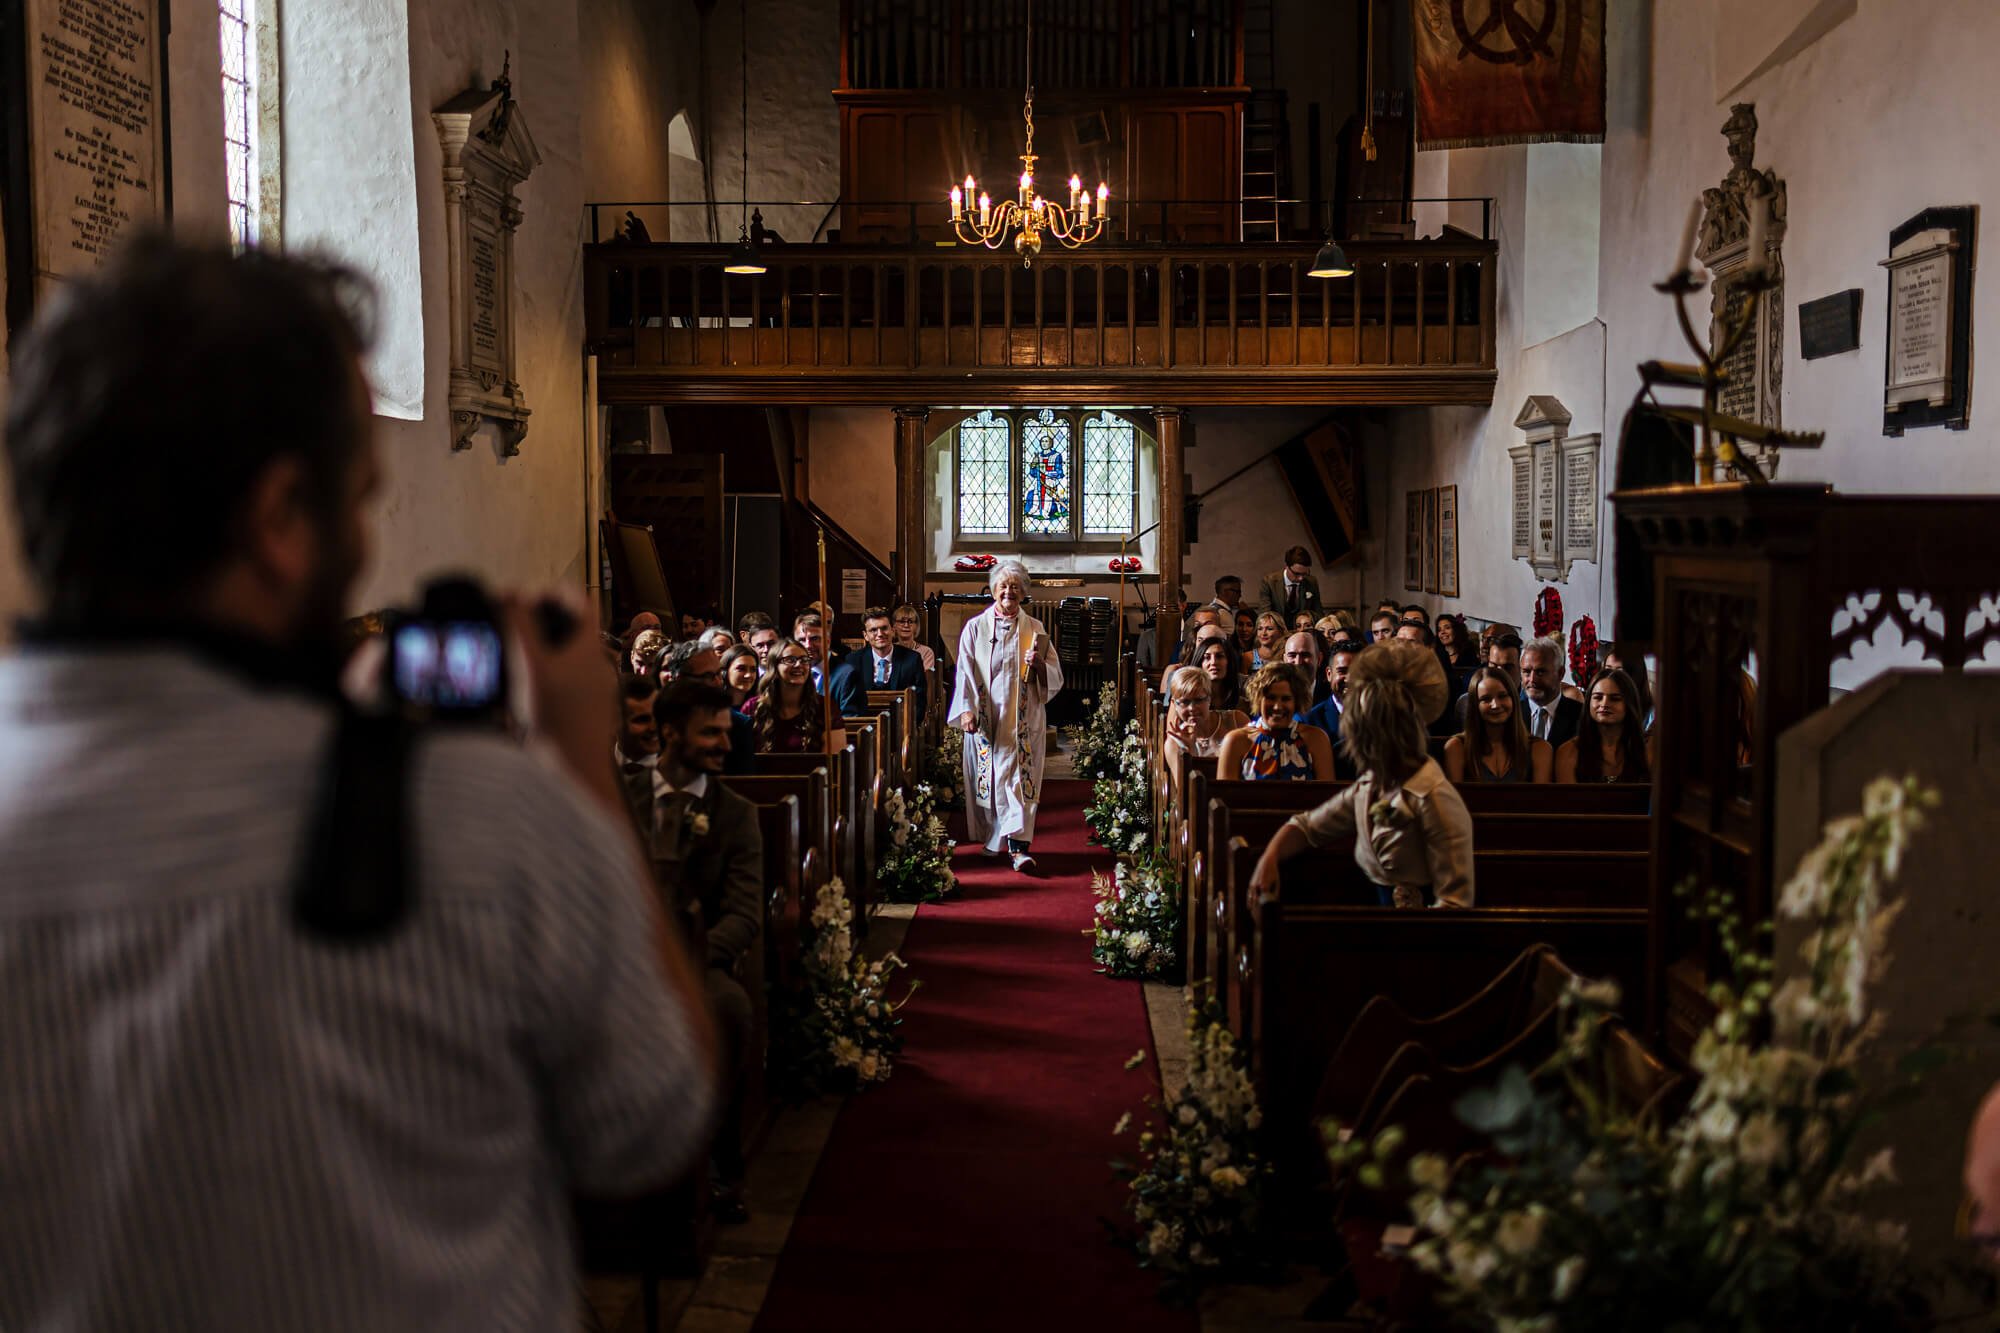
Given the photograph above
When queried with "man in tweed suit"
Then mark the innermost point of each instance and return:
(708, 856)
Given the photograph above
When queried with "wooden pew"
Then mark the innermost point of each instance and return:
(1306, 972)
(841, 803)
(909, 733)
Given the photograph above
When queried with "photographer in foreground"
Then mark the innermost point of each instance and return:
(215, 1112)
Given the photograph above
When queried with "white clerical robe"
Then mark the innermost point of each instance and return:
(1005, 758)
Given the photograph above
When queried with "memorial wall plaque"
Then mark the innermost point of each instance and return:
(487, 152)
(1547, 489)
(1580, 499)
(1539, 466)
(86, 80)
(1831, 325)
(1524, 503)
(1929, 312)
(1430, 498)
(1447, 541)
(1413, 541)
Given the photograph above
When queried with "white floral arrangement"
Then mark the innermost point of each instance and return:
(843, 1028)
(1197, 1192)
(916, 868)
(1137, 926)
(1741, 1213)
(1120, 809)
(1094, 747)
(946, 775)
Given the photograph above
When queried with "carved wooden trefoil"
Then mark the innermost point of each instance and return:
(487, 153)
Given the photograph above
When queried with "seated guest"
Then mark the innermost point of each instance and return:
(1495, 745)
(691, 661)
(1413, 631)
(1503, 655)
(1411, 833)
(694, 623)
(1391, 605)
(1302, 621)
(1416, 613)
(1276, 746)
(708, 857)
(637, 750)
(1292, 589)
(789, 713)
(1611, 743)
(1217, 658)
(716, 637)
(1382, 625)
(1337, 625)
(1552, 715)
(1302, 651)
(645, 656)
(1266, 646)
(1455, 647)
(1326, 714)
(908, 622)
(1193, 728)
(1202, 619)
(1628, 659)
(739, 677)
(880, 663)
(809, 632)
(1246, 631)
(1228, 599)
(760, 632)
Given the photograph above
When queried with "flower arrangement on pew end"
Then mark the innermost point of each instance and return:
(1119, 813)
(1094, 747)
(1196, 1194)
(946, 775)
(917, 865)
(1742, 1213)
(1137, 930)
(842, 1029)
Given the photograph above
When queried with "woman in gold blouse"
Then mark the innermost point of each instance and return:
(1411, 833)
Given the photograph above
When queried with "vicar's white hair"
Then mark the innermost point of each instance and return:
(1009, 569)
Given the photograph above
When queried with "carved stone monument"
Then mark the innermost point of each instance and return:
(487, 152)
(93, 164)
(1555, 490)
(1748, 206)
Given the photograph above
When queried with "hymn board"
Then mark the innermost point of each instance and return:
(84, 159)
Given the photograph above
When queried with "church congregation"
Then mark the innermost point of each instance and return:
(1201, 665)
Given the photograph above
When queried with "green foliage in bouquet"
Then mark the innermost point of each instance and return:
(841, 1030)
(945, 774)
(1197, 1193)
(916, 867)
(1137, 932)
(1742, 1213)
(1094, 747)
(1120, 811)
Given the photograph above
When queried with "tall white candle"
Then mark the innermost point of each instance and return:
(1686, 260)
(1760, 226)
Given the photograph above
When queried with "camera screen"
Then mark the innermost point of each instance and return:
(453, 666)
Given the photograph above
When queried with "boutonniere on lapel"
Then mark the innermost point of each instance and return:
(695, 823)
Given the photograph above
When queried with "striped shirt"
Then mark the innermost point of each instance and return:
(211, 1121)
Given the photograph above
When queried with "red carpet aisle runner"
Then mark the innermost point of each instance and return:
(968, 1191)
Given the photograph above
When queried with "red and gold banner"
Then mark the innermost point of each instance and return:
(1509, 71)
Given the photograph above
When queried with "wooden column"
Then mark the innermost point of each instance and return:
(912, 553)
(1167, 423)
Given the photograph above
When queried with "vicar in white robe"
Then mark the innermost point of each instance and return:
(1007, 672)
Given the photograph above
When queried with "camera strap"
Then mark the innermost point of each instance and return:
(356, 882)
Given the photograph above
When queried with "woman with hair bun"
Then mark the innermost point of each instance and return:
(1411, 833)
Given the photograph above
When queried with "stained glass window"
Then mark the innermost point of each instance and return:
(1110, 475)
(1045, 475)
(984, 461)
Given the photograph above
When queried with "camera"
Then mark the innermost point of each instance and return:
(448, 658)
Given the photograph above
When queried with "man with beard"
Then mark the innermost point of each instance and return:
(638, 750)
(708, 856)
(359, 1133)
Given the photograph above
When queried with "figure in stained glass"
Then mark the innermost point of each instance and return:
(1045, 489)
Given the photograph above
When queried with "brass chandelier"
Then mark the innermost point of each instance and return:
(1028, 215)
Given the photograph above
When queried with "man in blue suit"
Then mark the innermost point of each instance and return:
(1326, 716)
(879, 664)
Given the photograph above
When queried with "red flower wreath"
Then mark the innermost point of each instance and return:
(1548, 613)
(1583, 651)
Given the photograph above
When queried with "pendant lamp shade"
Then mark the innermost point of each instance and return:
(1330, 262)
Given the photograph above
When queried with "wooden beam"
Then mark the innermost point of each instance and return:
(1173, 494)
(1363, 386)
(912, 558)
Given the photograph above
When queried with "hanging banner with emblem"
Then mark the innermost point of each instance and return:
(1509, 71)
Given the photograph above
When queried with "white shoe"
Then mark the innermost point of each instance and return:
(1023, 863)
(996, 852)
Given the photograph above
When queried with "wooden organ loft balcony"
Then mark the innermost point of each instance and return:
(1134, 321)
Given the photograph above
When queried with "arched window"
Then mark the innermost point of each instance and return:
(250, 136)
(1046, 475)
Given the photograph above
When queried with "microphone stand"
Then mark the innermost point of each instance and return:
(1118, 658)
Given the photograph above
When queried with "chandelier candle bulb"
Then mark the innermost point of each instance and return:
(1083, 207)
(985, 209)
(957, 204)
